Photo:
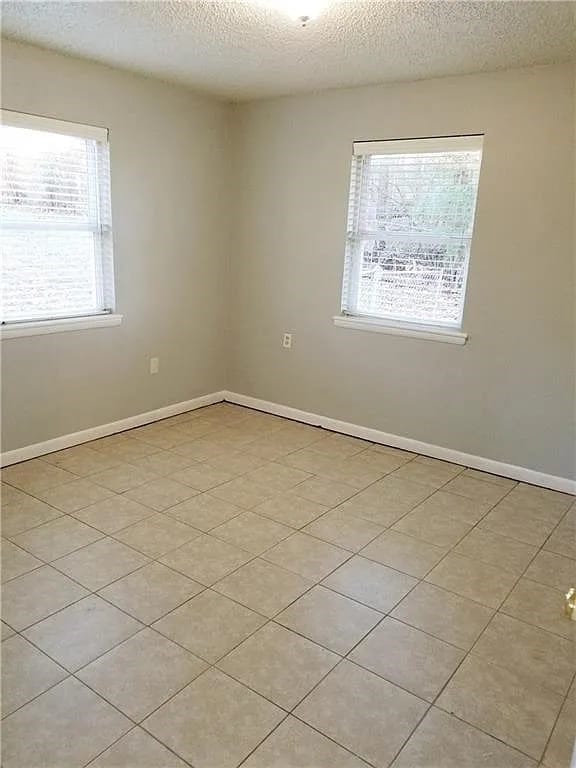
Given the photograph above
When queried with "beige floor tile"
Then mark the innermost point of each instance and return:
(443, 741)
(388, 500)
(356, 471)
(517, 523)
(37, 594)
(137, 750)
(309, 557)
(6, 631)
(434, 527)
(242, 492)
(163, 437)
(202, 477)
(476, 474)
(161, 493)
(57, 538)
(100, 563)
(78, 634)
(73, 496)
(277, 477)
(472, 488)
(52, 730)
(164, 463)
(200, 449)
(443, 614)
(26, 672)
(80, 460)
(16, 562)
(343, 530)
(123, 477)
(35, 475)
(405, 553)
(325, 492)
(428, 472)
(279, 664)
(459, 507)
(113, 514)
(381, 461)
(291, 510)
(477, 581)
(295, 745)
(214, 721)
(390, 451)
(235, 463)
(252, 532)
(372, 584)
(553, 570)
(334, 444)
(210, 625)
(150, 592)
(20, 512)
(126, 449)
(142, 673)
(550, 505)
(494, 549)
(562, 541)
(156, 535)
(542, 658)
(362, 712)
(311, 461)
(329, 619)
(263, 587)
(501, 703)
(561, 745)
(206, 559)
(541, 606)
(417, 662)
(204, 512)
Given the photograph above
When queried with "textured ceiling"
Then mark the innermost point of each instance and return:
(242, 50)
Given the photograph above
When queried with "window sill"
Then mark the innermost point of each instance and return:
(401, 329)
(40, 327)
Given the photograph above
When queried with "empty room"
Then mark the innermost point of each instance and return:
(288, 373)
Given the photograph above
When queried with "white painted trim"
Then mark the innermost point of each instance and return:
(51, 125)
(40, 327)
(414, 330)
(471, 143)
(522, 474)
(93, 433)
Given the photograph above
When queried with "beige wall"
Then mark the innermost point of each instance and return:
(214, 262)
(509, 393)
(169, 167)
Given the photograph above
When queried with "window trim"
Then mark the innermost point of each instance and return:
(41, 327)
(452, 334)
(47, 325)
(397, 328)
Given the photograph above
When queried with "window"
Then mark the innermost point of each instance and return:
(410, 221)
(56, 220)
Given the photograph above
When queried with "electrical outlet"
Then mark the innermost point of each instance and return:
(287, 341)
(154, 364)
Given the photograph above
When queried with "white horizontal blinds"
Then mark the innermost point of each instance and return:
(410, 221)
(56, 220)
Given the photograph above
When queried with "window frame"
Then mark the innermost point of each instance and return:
(452, 333)
(107, 317)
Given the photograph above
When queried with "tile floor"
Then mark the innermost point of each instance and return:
(230, 588)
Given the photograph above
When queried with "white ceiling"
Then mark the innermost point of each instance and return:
(241, 49)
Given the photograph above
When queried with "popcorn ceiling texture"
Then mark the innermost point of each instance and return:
(245, 50)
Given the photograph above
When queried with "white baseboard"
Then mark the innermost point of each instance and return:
(523, 474)
(93, 433)
(512, 471)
